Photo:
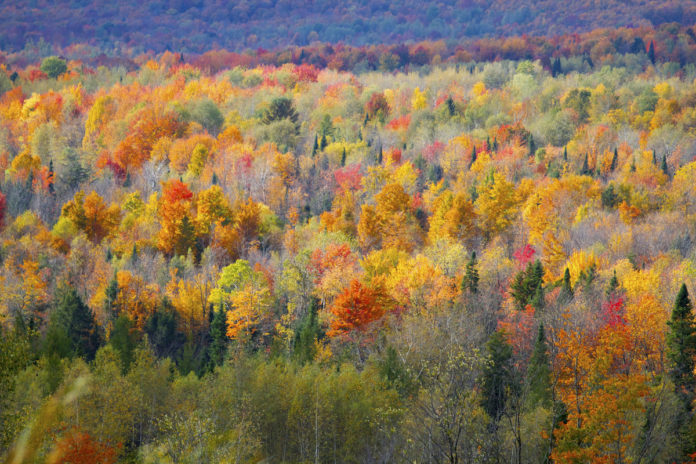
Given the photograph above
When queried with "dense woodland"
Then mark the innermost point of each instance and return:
(196, 26)
(462, 261)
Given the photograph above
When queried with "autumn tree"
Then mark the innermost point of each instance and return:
(177, 233)
(681, 342)
(357, 307)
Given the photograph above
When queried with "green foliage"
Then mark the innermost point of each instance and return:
(470, 280)
(681, 343)
(526, 285)
(499, 381)
(53, 66)
(539, 373)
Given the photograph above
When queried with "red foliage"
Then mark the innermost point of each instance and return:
(175, 191)
(524, 255)
(77, 447)
(613, 312)
(356, 308)
(394, 155)
(432, 152)
(400, 123)
(36, 74)
(349, 177)
(334, 256)
(519, 327)
(377, 106)
(306, 73)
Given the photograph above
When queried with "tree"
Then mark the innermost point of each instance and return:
(539, 373)
(566, 287)
(77, 320)
(681, 347)
(614, 160)
(53, 66)
(308, 335)
(218, 338)
(499, 380)
(651, 52)
(123, 340)
(526, 285)
(176, 234)
(471, 275)
(78, 447)
(281, 108)
(3, 209)
(356, 307)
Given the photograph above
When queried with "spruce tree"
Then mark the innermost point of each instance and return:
(499, 379)
(566, 287)
(471, 276)
(585, 166)
(531, 146)
(76, 319)
(539, 373)
(473, 155)
(651, 52)
(343, 157)
(613, 285)
(380, 155)
(218, 338)
(614, 160)
(315, 146)
(664, 166)
(681, 347)
(654, 158)
(307, 335)
(122, 339)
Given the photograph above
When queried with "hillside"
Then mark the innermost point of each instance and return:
(197, 26)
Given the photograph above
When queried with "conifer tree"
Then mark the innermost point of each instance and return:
(307, 335)
(681, 347)
(566, 288)
(614, 160)
(218, 338)
(664, 166)
(473, 155)
(471, 276)
(651, 52)
(531, 146)
(539, 373)
(315, 146)
(343, 157)
(499, 380)
(565, 154)
(613, 285)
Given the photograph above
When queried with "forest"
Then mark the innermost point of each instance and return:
(471, 254)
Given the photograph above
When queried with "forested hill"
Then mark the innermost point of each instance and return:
(199, 25)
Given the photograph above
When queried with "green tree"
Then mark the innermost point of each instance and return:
(566, 288)
(499, 380)
(524, 287)
(307, 335)
(681, 347)
(77, 321)
(123, 341)
(218, 338)
(53, 66)
(279, 109)
(471, 276)
(539, 373)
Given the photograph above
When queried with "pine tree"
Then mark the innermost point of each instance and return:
(531, 146)
(77, 320)
(379, 157)
(614, 160)
(499, 380)
(450, 106)
(471, 275)
(315, 146)
(565, 154)
(307, 335)
(495, 143)
(215, 180)
(566, 288)
(122, 338)
(613, 285)
(473, 155)
(323, 143)
(681, 347)
(651, 52)
(585, 167)
(664, 166)
(343, 157)
(218, 338)
(539, 373)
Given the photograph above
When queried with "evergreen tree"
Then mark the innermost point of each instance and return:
(380, 155)
(499, 379)
(524, 287)
(613, 285)
(531, 146)
(664, 166)
(614, 160)
(307, 335)
(111, 294)
(538, 300)
(315, 146)
(495, 143)
(566, 288)
(51, 177)
(539, 373)
(471, 275)
(323, 143)
(218, 338)
(77, 321)
(343, 157)
(473, 155)
(215, 180)
(186, 239)
(450, 106)
(123, 340)
(565, 154)
(585, 166)
(651, 52)
(681, 347)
